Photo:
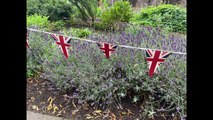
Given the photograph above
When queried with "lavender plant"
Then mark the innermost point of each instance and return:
(104, 82)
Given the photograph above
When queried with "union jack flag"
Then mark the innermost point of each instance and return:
(108, 49)
(154, 59)
(63, 43)
(27, 42)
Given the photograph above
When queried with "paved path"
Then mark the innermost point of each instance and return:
(38, 116)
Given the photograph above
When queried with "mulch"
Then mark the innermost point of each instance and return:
(43, 97)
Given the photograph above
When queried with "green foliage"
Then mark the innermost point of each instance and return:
(39, 50)
(33, 7)
(55, 9)
(99, 12)
(78, 32)
(121, 11)
(56, 26)
(87, 10)
(166, 16)
(37, 20)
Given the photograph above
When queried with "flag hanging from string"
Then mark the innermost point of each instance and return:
(125, 46)
(108, 49)
(27, 42)
(63, 43)
(154, 59)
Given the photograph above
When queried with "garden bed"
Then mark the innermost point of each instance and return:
(43, 97)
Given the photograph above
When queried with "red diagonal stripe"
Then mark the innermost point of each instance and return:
(63, 45)
(107, 50)
(154, 61)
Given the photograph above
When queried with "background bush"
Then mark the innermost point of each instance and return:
(38, 21)
(166, 16)
(106, 82)
(77, 32)
(57, 26)
(87, 10)
(121, 11)
(55, 9)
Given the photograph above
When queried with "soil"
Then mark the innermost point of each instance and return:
(43, 97)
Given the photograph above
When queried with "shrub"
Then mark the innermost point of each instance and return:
(106, 82)
(38, 51)
(121, 11)
(77, 32)
(38, 21)
(87, 10)
(55, 9)
(56, 26)
(170, 17)
(34, 6)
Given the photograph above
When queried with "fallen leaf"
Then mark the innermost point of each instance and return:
(32, 99)
(98, 111)
(123, 113)
(129, 112)
(60, 105)
(89, 117)
(94, 113)
(50, 99)
(40, 92)
(55, 108)
(75, 111)
(49, 107)
(74, 105)
(59, 113)
(96, 117)
(112, 115)
(42, 103)
(35, 107)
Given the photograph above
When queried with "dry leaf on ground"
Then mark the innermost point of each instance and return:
(55, 108)
(88, 116)
(35, 107)
(75, 111)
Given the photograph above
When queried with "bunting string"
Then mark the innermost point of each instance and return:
(124, 46)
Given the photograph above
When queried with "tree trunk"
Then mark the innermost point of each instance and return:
(133, 2)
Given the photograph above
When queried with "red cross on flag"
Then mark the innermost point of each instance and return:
(27, 42)
(108, 49)
(154, 59)
(63, 43)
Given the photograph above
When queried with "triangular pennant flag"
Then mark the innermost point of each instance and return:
(27, 42)
(108, 49)
(154, 59)
(63, 43)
